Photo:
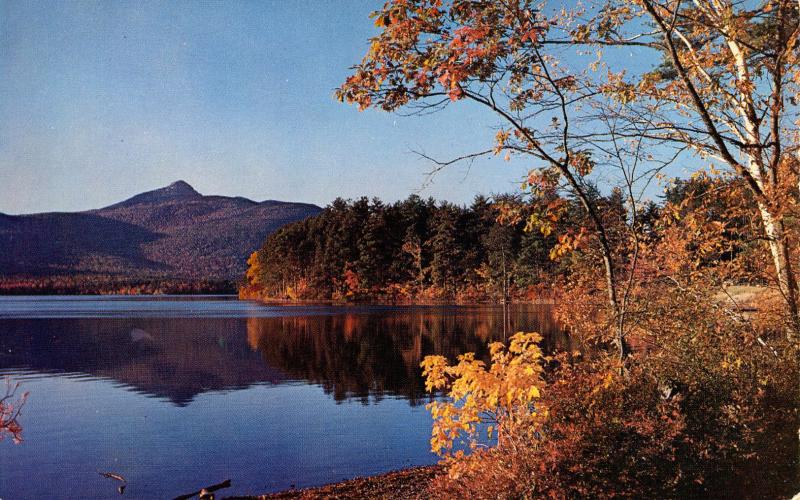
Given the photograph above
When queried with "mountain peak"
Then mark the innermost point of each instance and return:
(179, 188)
(177, 191)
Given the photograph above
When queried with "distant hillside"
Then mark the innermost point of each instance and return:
(172, 232)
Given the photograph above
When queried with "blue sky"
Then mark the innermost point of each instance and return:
(102, 100)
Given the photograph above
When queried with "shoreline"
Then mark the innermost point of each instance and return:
(77, 286)
(409, 483)
(405, 301)
(379, 302)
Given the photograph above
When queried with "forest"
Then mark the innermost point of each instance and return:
(415, 249)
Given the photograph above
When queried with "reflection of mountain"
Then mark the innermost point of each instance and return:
(174, 358)
(357, 355)
(351, 355)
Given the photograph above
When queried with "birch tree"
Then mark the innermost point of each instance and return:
(726, 87)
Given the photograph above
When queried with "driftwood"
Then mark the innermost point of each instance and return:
(205, 491)
(116, 477)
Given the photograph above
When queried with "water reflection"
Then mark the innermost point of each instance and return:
(378, 354)
(269, 397)
(358, 353)
(170, 358)
(10, 410)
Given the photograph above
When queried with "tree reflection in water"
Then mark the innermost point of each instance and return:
(10, 410)
(373, 355)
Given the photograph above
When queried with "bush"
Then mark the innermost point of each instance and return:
(660, 430)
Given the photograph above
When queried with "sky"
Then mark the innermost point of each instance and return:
(102, 100)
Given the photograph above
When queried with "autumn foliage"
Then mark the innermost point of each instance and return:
(502, 397)
(591, 434)
(681, 375)
(708, 399)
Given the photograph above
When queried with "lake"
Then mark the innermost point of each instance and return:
(177, 393)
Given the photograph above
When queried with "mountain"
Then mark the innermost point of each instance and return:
(172, 232)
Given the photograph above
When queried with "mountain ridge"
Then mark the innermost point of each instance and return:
(170, 232)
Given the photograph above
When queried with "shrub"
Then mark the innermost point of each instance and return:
(660, 430)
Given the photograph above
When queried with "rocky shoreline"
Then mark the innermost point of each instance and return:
(409, 483)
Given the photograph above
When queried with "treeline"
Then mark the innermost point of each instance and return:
(412, 249)
(110, 285)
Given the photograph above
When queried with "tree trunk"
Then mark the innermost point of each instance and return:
(610, 274)
(608, 264)
(779, 249)
(619, 320)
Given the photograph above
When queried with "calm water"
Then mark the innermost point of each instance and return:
(176, 393)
